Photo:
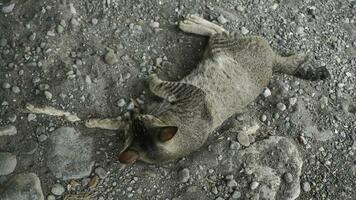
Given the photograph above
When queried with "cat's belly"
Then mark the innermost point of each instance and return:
(228, 86)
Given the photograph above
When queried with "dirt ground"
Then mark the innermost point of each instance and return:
(92, 57)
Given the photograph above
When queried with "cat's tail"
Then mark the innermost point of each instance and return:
(293, 65)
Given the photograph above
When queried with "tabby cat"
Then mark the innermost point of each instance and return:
(232, 73)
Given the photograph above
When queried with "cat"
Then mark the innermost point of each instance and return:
(232, 73)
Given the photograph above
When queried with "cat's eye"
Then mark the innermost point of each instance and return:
(128, 156)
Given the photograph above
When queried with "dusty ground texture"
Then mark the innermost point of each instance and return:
(91, 57)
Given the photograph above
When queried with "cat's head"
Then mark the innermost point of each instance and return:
(148, 139)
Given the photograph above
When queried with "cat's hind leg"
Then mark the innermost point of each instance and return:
(293, 65)
(200, 26)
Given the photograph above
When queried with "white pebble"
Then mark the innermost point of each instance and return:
(281, 106)
(57, 189)
(222, 20)
(244, 30)
(254, 185)
(267, 92)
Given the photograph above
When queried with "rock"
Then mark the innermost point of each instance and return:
(254, 185)
(60, 29)
(8, 163)
(8, 130)
(101, 172)
(306, 187)
(300, 31)
(57, 189)
(263, 118)
(231, 183)
(236, 195)
(94, 21)
(74, 22)
(244, 30)
(15, 89)
(243, 139)
(48, 95)
(42, 138)
(6, 85)
(184, 175)
(8, 9)
(70, 154)
(51, 197)
(281, 106)
(110, 57)
(267, 93)
(222, 20)
(288, 177)
(22, 187)
(292, 101)
(121, 103)
(154, 25)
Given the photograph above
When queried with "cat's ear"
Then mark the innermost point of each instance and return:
(128, 156)
(166, 133)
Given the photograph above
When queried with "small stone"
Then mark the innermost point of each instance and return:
(288, 177)
(235, 145)
(3, 42)
(236, 195)
(281, 106)
(131, 106)
(306, 187)
(94, 181)
(15, 89)
(31, 117)
(244, 30)
(214, 190)
(60, 29)
(300, 31)
(243, 139)
(222, 20)
(110, 57)
(159, 61)
(42, 138)
(101, 172)
(229, 177)
(8, 163)
(219, 198)
(48, 95)
(292, 101)
(267, 93)
(184, 175)
(254, 185)
(263, 118)
(121, 103)
(154, 25)
(57, 189)
(51, 197)
(74, 22)
(6, 85)
(231, 183)
(12, 117)
(8, 9)
(94, 21)
(8, 130)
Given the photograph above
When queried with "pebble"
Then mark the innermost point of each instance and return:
(184, 175)
(231, 183)
(236, 195)
(60, 29)
(94, 21)
(42, 138)
(159, 61)
(267, 93)
(306, 187)
(48, 95)
(235, 145)
(243, 139)
(254, 185)
(121, 103)
(300, 31)
(214, 190)
(31, 117)
(15, 89)
(12, 118)
(8, 9)
(219, 198)
(3, 42)
(51, 197)
(281, 106)
(154, 25)
(244, 30)
(222, 20)
(288, 177)
(74, 22)
(8, 130)
(101, 172)
(32, 37)
(110, 57)
(263, 118)
(8, 163)
(57, 189)
(292, 101)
